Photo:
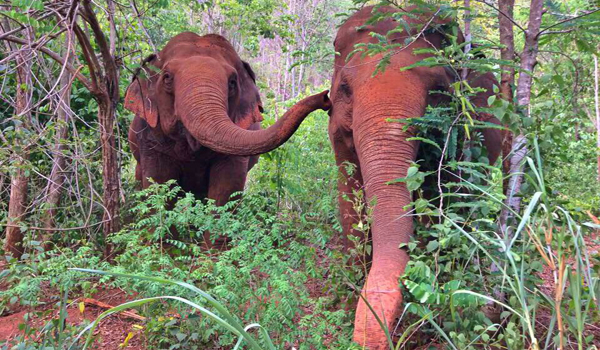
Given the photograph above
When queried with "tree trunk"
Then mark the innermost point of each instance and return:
(519, 144)
(13, 244)
(507, 78)
(105, 81)
(58, 172)
(16, 210)
(597, 102)
(467, 34)
(112, 39)
(507, 52)
(110, 169)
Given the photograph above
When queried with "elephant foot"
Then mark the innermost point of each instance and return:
(385, 300)
(220, 243)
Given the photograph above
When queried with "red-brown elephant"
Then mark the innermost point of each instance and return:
(197, 117)
(361, 135)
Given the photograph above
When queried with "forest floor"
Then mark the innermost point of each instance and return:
(113, 331)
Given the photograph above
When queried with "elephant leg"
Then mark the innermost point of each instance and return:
(157, 167)
(252, 160)
(138, 173)
(135, 150)
(227, 176)
(492, 138)
(349, 183)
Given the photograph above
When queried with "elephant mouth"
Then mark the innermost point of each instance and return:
(192, 142)
(183, 134)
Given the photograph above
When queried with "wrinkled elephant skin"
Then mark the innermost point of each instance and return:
(381, 151)
(197, 117)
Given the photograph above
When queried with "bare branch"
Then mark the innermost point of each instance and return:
(510, 18)
(557, 32)
(11, 32)
(138, 16)
(56, 228)
(53, 55)
(90, 58)
(109, 62)
(567, 20)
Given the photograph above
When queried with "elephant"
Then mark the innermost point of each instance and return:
(198, 117)
(381, 151)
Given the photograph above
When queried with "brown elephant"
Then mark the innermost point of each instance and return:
(197, 117)
(381, 151)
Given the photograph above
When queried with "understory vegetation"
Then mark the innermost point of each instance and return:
(284, 281)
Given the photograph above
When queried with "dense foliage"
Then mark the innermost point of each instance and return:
(466, 286)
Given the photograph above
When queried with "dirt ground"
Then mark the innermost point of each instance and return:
(111, 332)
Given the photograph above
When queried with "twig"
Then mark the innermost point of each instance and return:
(54, 56)
(566, 20)
(13, 31)
(56, 229)
(558, 32)
(503, 14)
(104, 305)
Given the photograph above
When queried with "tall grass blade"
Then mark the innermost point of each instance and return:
(228, 321)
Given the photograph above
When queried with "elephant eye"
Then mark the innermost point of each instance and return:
(261, 109)
(345, 89)
(168, 79)
(232, 85)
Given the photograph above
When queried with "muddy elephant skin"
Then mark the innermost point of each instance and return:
(381, 151)
(197, 117)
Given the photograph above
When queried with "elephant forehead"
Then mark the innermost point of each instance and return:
(188, 45)
(357, 29)
(190, 51)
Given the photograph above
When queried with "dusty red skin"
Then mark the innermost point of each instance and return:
(361, 135)
(198, 114)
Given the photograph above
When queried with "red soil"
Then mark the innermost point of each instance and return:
(111, 332)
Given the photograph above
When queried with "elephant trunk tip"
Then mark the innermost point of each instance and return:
(326, 101)
(320, 101)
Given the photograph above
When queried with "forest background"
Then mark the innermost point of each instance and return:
(68, 191)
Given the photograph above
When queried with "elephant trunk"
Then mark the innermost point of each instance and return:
(385, 155)
(209, 123)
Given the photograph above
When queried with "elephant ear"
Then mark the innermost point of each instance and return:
(250, 106)
(139, 102)
(138, 97)
(249, 71)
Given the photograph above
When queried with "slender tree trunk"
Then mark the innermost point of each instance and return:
(467, 34)
(597, 102)
(2, 179)
(300, 85)
(519, 144)
(141, 24)
(58, 173)
(507, 78)
(284, 94)
(112, 42)
(13, 244)
(110, 169)
(105, 81)
(466, 154)
(16, 210)
(507, 52)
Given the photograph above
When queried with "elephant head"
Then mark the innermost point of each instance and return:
(198, 86)
(360, 129)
